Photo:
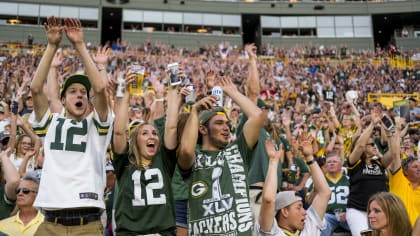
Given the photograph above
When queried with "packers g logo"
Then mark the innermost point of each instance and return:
(198, 189)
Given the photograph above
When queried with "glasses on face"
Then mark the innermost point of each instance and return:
(370, 144)
(25, 191)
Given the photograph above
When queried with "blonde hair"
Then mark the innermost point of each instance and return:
(395, 213)
(134, 156)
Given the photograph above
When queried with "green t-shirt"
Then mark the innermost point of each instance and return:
(381, 149)
(259, 162)
(6, 205)
(303, 168)
(144, 203)
(179, 187)
(340, 190)
(218, 198)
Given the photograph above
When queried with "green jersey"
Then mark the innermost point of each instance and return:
(340, 189)
(6, 205)
(259, 162)
(329, 95)
(218, 198)
(144, 203)
(303, 168)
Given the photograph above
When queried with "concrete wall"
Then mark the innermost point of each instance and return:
(281, 8)
(354, 43)
(408, 43)
(179, 39)
(13, 33)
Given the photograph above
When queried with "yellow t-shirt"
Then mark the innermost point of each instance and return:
(14, 226)
(402, 187)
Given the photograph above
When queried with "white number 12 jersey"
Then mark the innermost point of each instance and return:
(73, 174)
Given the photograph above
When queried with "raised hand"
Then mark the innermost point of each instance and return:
(210, 79)
(205, 103)
(227, 85)
(305, 145)
(54, 30)
(251, 49)
(157, 86)
(272, 153)
(102, 55)
(73, 29)
(57, 60)
(129, 78)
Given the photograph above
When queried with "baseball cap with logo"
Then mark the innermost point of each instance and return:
(286, 198)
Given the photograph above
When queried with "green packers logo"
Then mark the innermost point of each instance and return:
(198, 189)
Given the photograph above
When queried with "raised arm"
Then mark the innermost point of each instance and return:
(255, 120)
(174, 103)
(53, 88)
(267, 211)
(361, 142)
(333, 116)
(74, 33)
(322, 190)
(119, 139)
(252, 85)
(395, 148)
(13, 130)
(10, 174)
(37, 142)
(54, 35)
(186, 157)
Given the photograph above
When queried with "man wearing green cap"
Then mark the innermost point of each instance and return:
(73, 178)
(217, 172)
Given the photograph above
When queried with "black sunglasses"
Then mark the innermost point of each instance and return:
(371, 144)
(25, 191)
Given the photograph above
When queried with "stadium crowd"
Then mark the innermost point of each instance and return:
(293, 141)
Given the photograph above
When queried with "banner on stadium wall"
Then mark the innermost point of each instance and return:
(388, 99)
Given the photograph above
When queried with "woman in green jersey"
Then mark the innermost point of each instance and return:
(144, 169)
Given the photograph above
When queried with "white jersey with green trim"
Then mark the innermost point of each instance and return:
(73, 174)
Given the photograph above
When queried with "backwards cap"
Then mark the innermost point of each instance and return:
(286, 198)
(208, 114)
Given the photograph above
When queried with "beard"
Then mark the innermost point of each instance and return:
(220, 144)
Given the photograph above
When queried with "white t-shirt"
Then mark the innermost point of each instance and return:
(73, 174)
(313, 226)
(17, 162)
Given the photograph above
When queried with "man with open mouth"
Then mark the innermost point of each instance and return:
(73, 178)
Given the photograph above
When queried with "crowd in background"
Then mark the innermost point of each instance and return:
(321, 92)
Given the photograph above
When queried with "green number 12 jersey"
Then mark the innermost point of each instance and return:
(145, 203)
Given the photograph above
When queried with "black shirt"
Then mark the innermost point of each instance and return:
(364, 182)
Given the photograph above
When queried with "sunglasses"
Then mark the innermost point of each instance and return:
(25, 191)
(370, 144)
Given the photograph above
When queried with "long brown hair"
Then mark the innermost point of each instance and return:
(395, 213)
(134, 150)
(19, 141)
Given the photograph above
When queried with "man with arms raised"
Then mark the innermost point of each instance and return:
(217, 171)
(73, 178)
(283, 213)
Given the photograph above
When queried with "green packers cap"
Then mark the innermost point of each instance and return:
(76, 78)
(208, 114)
(262, 104)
